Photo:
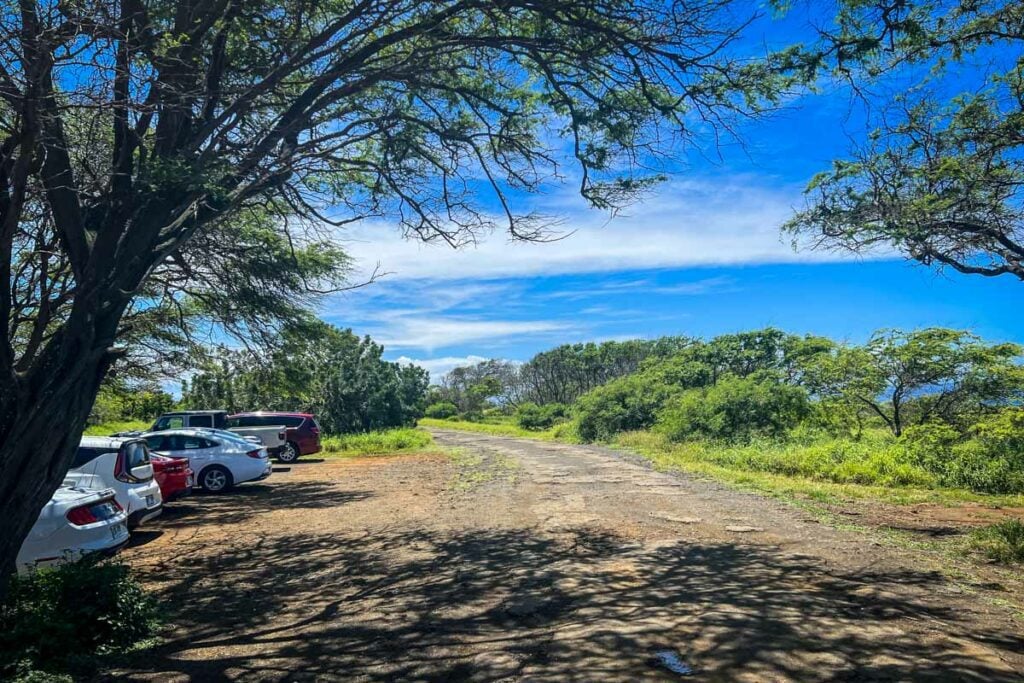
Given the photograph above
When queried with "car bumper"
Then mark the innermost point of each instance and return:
(310, 450)
(142, 516)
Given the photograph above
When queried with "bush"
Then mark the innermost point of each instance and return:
(627, 404)
(990, 459)
(536, 418)
(735, 409)
(441, 410)
(59, 619)
(1002, 542)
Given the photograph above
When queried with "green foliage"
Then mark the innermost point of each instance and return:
(120, 401)
(942, 182)
(625, 404)
(377, 443)
(735, 408)
(534, 417)
(108, 428)
(59, 619)
(340, 377)
(1002, 542)
(441, 410)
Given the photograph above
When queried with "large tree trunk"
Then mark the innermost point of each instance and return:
(43, 412)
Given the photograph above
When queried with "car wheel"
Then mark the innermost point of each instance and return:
(288, 453)
(215, 479)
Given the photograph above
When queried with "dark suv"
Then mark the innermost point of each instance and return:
(303, 433)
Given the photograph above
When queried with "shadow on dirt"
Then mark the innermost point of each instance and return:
(242, 502)
(495, 604)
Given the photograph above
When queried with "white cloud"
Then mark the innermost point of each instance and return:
(438, 367)
(706, 222)
(432, 332)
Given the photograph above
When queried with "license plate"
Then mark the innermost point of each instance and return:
(118, 530)
(150, 501)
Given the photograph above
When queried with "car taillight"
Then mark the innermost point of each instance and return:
(81, 516)
(120, 471)
(255, 454)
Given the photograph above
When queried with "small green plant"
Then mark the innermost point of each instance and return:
(58, 620)
(1002, 542)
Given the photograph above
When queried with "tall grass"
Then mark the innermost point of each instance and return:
(816, 466)
(376, 443)
(1002, 542)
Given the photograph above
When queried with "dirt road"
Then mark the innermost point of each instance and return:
(521, 560)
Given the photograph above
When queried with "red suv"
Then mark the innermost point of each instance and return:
(302, 431)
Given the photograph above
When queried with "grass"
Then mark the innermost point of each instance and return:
(503, 427)
(1002, 542)
(108, 428)
(376, 443)
(788, 470)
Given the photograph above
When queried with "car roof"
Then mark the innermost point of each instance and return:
(105, 441)
(272, 413)
(187, 431)
(195, 412)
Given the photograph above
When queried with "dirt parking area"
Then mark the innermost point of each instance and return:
(520, 560)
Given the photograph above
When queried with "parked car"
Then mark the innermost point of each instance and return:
(174, 475)
(120, 463)
(302, 434)
(75, 522)
(219, 462)
(272, 436)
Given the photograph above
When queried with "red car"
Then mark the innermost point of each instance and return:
(303, 432)
(174, 476)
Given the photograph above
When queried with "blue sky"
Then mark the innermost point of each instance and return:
(702, 255)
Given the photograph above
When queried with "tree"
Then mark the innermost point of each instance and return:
(132, 129)
(942, 183)
(317, 368)
(926, 375)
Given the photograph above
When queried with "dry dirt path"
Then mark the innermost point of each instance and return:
(530, 561)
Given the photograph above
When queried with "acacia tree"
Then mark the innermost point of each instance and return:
(130, 129)
(943, 183)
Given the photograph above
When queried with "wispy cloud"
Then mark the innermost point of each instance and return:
(439, 367)
(435, 332)
(705, 222)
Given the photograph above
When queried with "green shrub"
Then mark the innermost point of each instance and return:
(735, 408)
(441, 411)
(989, 459)
(59, 619)
(536, 418)
(1001, 542)
(626, 404)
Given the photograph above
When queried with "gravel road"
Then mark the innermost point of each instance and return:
(531, 561)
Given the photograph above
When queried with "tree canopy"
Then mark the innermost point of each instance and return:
(941, 177)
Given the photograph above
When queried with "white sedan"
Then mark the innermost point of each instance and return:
(74, 523)
(219, 462)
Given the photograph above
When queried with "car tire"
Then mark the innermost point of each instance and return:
(216, 479)
(288, 453)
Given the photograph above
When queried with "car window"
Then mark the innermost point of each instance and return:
(158, 442)
(171, 422)
(294, 421)
(201, 421)
(85, 456)
(136, 454)
(243, 421)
